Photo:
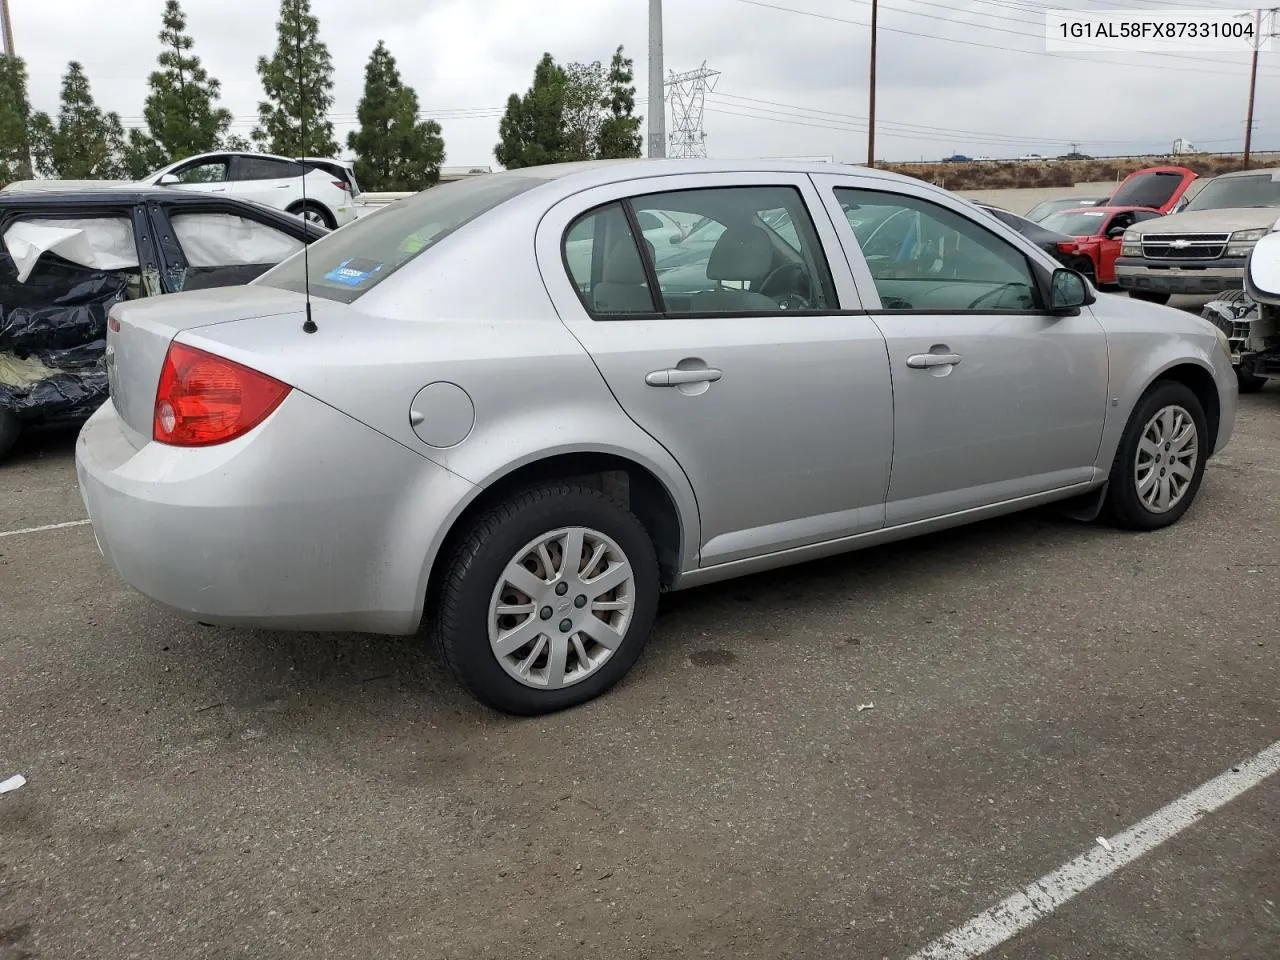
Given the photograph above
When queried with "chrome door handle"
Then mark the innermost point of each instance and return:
(922, 361)
(674, 376)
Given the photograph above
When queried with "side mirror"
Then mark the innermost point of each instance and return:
(1068, 292)
(168, 180)
(1115, 233)
(1262, 273)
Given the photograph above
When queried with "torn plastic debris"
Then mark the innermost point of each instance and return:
(99, 243)
(866, 706)
(53, 338)
(61, 396)
(13, 783)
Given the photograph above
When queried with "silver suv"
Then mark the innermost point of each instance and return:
(1203, 248)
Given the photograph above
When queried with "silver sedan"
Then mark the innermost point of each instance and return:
(499, 412)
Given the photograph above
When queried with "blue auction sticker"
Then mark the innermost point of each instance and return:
(352, 273)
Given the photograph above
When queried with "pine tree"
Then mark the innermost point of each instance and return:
(532, 129)
(181, 112)
(395, 151)
(15, 121)
(84, 143)
(296, 88)
(619, 134)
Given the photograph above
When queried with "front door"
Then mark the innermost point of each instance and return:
(994, 399)
(733, 354)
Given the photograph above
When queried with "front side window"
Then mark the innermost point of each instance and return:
(208, 171)
(924, 257)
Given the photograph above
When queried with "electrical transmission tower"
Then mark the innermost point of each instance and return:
(688, 94)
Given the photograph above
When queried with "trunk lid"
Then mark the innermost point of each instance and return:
(139, 333)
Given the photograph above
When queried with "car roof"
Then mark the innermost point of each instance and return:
(1106, 209)
(584, 174)
(1273, 171)
(110, 194)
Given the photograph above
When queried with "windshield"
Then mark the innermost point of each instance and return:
(352, 261)
(1232, 193)
(1075, 224)
(1153, 190)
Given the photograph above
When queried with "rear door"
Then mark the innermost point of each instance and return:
(220, 245)
(267, 180)
(995, 400)
(735, 356)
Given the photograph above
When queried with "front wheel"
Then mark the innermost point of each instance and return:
(1160, 463)
(1148, 296)
(548, 599)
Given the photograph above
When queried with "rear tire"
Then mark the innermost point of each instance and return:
(315, 213)
(1159, 467)
(1148, 296)
(10, 430)
(576, 639)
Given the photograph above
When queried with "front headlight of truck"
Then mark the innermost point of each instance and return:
(1242, 242)
(1131, 244)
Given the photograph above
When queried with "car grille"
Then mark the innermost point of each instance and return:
(1185, 246)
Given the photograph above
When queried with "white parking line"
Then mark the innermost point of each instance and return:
(1038, 900)
(48, 526)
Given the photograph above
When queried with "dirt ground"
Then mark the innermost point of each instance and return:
(1036, 683)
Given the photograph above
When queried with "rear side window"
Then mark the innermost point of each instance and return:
(350, 262)
(266, 168)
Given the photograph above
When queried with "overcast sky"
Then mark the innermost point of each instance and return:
(966, 76)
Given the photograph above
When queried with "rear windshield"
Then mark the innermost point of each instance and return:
(1075, 224)
(351, 261)
(1147, 190)
(1231, 193)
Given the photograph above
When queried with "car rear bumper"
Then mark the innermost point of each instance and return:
(1137, 273)
(313, 521)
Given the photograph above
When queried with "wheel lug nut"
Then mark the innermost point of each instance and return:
(561, 589)
(545, 613)
(566, 626)
(580, 601)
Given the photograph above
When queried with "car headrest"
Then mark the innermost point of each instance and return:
(741, 253)
(622, 264)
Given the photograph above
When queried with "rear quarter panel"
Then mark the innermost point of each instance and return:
(448, 317)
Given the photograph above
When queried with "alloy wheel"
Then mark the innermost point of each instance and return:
(561, 608)
(1165, 464)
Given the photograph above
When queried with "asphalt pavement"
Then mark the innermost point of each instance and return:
(845, 759)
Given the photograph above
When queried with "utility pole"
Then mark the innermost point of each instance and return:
(657, 87)
(7, 26)
(871, 109)
(1253, 84)
(1253, 77)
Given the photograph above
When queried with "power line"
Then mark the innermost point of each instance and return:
(985, 46)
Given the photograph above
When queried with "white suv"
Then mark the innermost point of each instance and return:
(270, 180)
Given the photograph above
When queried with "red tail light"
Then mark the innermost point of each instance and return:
(204, 399)
(1066, 247)
(342, 185)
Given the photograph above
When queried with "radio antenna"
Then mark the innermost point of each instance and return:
(308, 325)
